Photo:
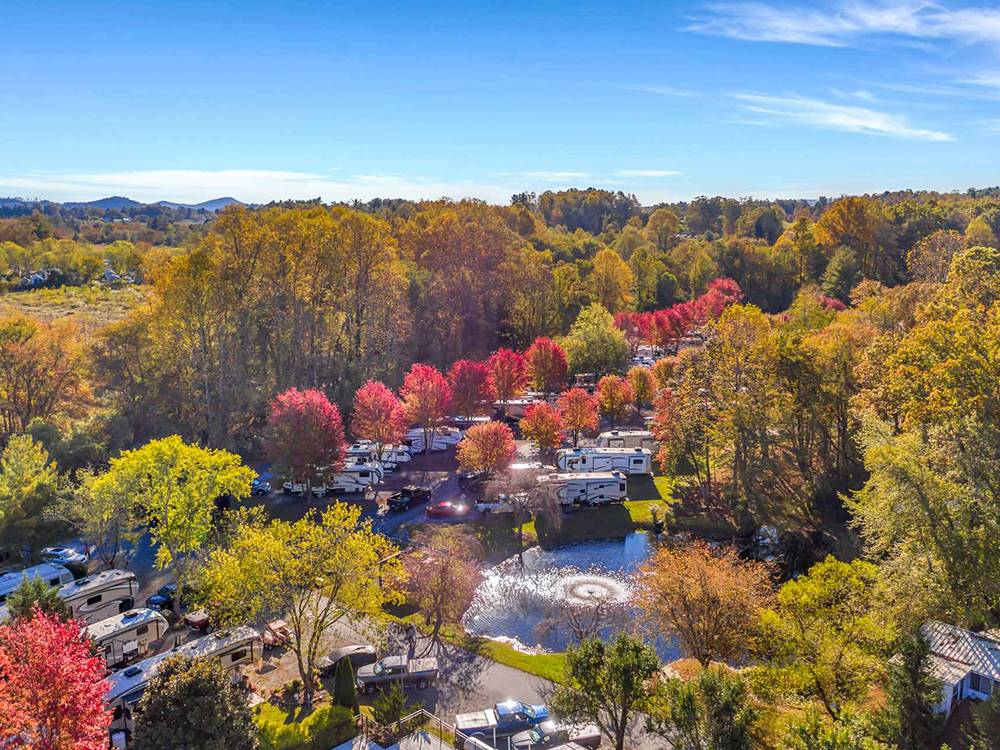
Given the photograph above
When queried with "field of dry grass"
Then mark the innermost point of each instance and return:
(93, 307)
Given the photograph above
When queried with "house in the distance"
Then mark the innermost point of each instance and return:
(967, 663)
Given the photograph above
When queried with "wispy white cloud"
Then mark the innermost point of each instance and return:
(989, 79)
(248, 185)
(844, 23)
(547, 175)
(651, 88)
(647, 173)
(829, 116)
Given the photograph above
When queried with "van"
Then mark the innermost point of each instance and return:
(627, 439)
(101, 595)
(587, 488)
(634, 461)
(127, 636)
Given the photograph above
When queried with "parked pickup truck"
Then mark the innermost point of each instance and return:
(503, 720)
(419, 672)
(549, 735)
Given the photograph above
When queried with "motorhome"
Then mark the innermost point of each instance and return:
(100, 595)
(233, 648)
(630, 461)
(627, 439)
(445, 436)
(127, 636)
(587, 488)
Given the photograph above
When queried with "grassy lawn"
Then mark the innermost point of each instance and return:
(317, 728)
(546, 666)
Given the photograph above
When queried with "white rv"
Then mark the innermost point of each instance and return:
(101, 595)
(627, 439)
(357, 476)
(588, 488)
(516, 407)
(54, 575)
(633, 461)
(233, 648)
(390, 458)
(127, 636)
(444, 437)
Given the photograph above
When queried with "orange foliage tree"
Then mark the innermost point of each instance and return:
(543, 425)
(487, 447)
(614, 398)
(579, 412)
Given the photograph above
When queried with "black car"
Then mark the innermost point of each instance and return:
(409, 496)
(470, 481)
(163, 599)
(360, 655)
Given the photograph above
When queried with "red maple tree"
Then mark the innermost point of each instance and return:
(305, 435)
(487, 447)
(547, 366)
(579, 412)
(543, 425)
(426, 399)
(378, 415)
(508, 372)
(472, 391)
(53, 686)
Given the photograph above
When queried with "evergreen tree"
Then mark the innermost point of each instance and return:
(985, 730)
(841, 274)
(344, 692)
(711, 712)
(34, 592)
(389, 705)
(908, 720)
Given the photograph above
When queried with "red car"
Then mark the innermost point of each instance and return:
(448, 509)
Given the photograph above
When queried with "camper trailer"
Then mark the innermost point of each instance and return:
(390, 456)
(101, 595)
(126, 637)
(634, 461)
(233, 648)
(444, 437)
(54, 575)
(356, 476)
(516, 407)
(627, 439)
(588, 488)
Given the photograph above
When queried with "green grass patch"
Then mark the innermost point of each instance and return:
(299, 728)
(547, 666)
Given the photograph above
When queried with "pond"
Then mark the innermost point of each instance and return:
(539, 607)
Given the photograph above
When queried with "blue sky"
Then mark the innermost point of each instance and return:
(270, 100)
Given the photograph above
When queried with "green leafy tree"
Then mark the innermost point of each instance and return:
(607, 684)
(312, 572)
(711, 712)
(104, 513)
(345, 692)
(828, 635)
(194, 704)
(176, 485)
(841, 274)
(985, 727)
(389, 706)
(594, 343)
(812, 731)
(29, 492)
(32, 594)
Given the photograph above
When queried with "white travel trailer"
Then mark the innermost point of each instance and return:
(627, 439)
(54, 575)
(634, 461)
(516, 407)
(587, 488)
(444, 437)
(233, 648)
(126, 637)
(391, 456)
(356, 477)
(101, 595)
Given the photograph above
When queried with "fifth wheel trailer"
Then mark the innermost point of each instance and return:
(633, 461)
(127, 636)
(587, 488)
(627, 439)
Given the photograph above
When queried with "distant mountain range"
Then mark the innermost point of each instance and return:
(118, 201)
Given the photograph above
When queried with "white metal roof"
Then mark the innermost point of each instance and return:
(977, 652)
(95, 582)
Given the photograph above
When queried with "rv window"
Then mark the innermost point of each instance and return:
(363, 474)
(238, 655)
(117, 713)
(94, 599)
(616, 443)
(142, 630)
(621, 487)
(54, 581)
(637, 461)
